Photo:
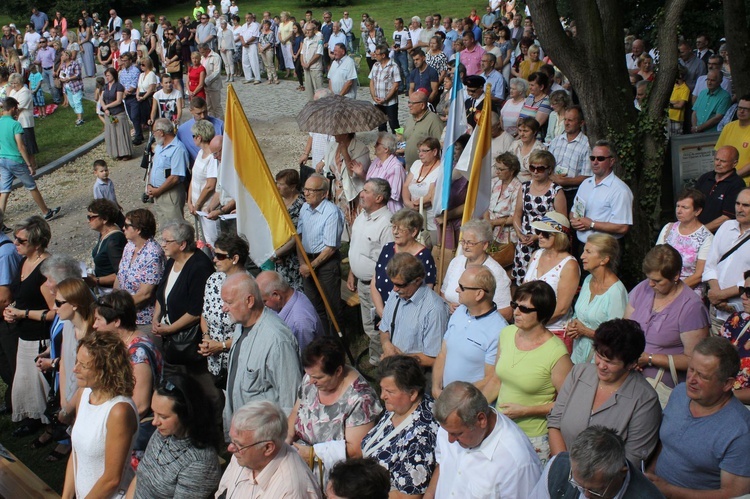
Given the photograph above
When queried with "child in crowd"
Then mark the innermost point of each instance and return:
(35, 85)
(97, 93)
(104, 188)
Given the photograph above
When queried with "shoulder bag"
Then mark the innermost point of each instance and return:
(424, 237)
(663, 390)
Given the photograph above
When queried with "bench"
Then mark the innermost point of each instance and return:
(351, 299)
(17, 480)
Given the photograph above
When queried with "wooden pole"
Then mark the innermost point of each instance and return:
(442, 253)
(327, 305)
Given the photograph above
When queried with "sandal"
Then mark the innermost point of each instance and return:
(43, 440)
(57, 455)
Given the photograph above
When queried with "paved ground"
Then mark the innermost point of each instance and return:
(271, 110)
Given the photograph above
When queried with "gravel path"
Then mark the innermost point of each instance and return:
(271, 110)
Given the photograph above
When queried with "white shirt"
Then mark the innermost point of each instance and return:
(503, 465)
(32, 40)
(608, 201)
(456, 270)
(225, 4)
(370, 232)
(135, 35)
(729, 272)
(342, 71)
(249, 31)
(346, 25)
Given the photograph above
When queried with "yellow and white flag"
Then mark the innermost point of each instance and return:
(477, 167)
(261, 214)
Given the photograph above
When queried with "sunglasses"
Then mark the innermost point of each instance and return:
(537, 168)
(91, 217)
(221, 256)
(744, 291)
(599, 158)
(60, 303)
(464, 288)
(21, 240)
(401, 284)
(524, 309)
(543, 234)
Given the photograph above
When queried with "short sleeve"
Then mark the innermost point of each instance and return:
(705, 247)
(425, 256)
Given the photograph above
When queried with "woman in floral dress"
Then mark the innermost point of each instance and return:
(335, 408)
(404, 440)
(287, 264)
(538, 196)
(142, 264)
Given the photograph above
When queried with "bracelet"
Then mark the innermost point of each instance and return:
(224, 346)
(26, 315)
(650, 359)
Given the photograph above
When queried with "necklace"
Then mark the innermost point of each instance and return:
(175, 454)
(421, 178)
(33, 266)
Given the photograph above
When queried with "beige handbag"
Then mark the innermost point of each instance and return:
(424, 236)
(663, 390)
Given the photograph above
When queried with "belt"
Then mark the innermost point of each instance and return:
(47, 69)
(313, 256)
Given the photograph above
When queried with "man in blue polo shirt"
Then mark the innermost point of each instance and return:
(166, 184)
(711, 104)
(470, 344)
(423, 76)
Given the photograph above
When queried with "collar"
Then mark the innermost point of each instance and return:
(489, 444)
(288, 306)
(263, 479)
(418, 295)
(375, 215)
(426, 112)
(606, 180)
(492, 310)
(578, 138)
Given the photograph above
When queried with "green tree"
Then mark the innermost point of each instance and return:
(594, 62)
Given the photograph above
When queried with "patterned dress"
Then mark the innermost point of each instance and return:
(408, 456)
(220, 326)
(146, 268)
(317, 422)
(502, 204)
(288, 265)
(534, 208)
(692, 247)
(733, 331)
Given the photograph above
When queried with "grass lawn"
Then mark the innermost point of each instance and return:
(57, 135)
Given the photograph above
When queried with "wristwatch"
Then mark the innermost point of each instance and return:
(593, 224)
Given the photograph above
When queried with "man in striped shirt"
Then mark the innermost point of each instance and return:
(415, 317)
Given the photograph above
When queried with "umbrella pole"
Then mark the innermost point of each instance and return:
(327, 305)
(442, 251)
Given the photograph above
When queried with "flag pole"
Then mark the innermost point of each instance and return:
(329, 311)
(442, 251)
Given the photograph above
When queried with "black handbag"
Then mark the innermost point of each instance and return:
(182, 348)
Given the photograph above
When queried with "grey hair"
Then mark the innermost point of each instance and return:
(609, 145)
(521, 84)
(264, 418)
(164, 125)
(59, 267)
(480, 228)
(598, 448)
(320, 177)
(322, 93)
(204, 46)
(380, 187)
(15, 78)
(276, 282)
(203, 129)
(388, 141)
(465, 400)
(182, 232)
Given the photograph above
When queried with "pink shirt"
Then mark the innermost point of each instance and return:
(472, 59)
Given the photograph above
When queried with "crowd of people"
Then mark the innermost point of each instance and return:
(511, 359)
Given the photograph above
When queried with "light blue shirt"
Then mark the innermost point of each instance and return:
(320, 227)
(495, 78)
(611, 200)
(471, 342)
(420, 322)
(10, 262)
(185, 135)
(172, 156)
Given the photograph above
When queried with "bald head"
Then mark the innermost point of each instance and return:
(242, 299)
(215, 146)
(274, 289)
(728, 153)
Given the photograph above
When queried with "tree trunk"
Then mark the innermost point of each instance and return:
(594, 62)
(738, 40)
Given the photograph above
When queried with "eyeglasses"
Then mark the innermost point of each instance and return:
(126, 225)
(523, 308)
(740, 108)
(21, 241)
(221, 256)
(537, 168)
(164, 242)
(744, 291)
(414, 103)
(583, 490)
(307, 189)
(60, 303)
(91, 217)
(239, 449)
(402, 285)
(425, 150)
(468, 244)
(599, 158)
(398, 230)
(464, 288)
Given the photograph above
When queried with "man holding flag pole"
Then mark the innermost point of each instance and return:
(261, 214)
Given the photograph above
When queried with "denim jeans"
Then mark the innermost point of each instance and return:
(47, 76)
(402, 61)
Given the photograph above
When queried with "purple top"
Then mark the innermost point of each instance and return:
(663, 328)
(300, 315)
(392, 172)
(46, 57)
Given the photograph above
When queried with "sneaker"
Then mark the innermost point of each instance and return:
(257, 82)
(246, 82)
(79, 122)
(52, 213)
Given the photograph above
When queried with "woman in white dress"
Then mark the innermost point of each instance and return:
(203, 182)
(419, 186)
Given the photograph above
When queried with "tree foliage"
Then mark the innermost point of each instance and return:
(594, 62)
